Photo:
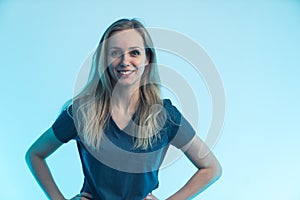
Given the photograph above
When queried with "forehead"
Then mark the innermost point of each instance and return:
(125, 39)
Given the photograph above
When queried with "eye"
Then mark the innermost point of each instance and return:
(135, 53)
(115, 53)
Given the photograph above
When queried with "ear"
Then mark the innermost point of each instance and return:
(147, 52)
(147, 61)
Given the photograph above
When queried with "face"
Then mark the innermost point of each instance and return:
(126, 57)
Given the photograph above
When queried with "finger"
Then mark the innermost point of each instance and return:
(84, 198)
(86, 195)
(153, 197)
(150, 196)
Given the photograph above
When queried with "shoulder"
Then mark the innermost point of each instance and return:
(180, 130)
(64, 127)
(172, 112)
(168, 105)
(69, 111)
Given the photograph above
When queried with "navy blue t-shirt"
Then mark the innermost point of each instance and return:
(117, 170)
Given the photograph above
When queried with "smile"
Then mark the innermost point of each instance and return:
(125, 72)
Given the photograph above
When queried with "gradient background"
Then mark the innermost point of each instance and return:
(254, 46)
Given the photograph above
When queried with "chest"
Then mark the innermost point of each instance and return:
(121, 119)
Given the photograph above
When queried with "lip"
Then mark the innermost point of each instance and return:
(125, 73)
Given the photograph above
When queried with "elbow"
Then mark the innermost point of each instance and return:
(213, 172)
(28, 156)
(217, 172)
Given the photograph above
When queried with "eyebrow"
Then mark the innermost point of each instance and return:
(130, 48)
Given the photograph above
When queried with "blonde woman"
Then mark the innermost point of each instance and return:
(122, 126)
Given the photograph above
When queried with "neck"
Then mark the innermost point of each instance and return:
(125, 99)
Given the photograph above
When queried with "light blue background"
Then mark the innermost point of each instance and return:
(254, 44)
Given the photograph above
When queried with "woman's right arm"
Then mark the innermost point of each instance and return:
(44, 146)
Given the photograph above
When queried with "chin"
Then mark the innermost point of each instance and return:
(128, 83)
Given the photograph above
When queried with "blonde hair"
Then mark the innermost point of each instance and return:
(91, 110)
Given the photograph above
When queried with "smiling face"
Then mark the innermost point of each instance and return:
(126, 57)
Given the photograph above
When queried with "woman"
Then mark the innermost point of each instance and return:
(122, 126)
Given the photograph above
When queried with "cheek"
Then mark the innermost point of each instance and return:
(141, 69)
(113, 62)
(141, 63)
(111, 70)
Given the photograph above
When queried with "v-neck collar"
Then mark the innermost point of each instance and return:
(112, 121)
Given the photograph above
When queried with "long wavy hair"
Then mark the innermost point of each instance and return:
(91, 107)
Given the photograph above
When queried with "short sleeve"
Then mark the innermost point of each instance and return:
(63, 127)
(180, 130)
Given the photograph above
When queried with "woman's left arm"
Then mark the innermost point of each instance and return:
(209, 170)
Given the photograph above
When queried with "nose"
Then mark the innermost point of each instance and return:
(125, 60)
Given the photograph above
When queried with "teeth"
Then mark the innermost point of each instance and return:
(125, 72)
